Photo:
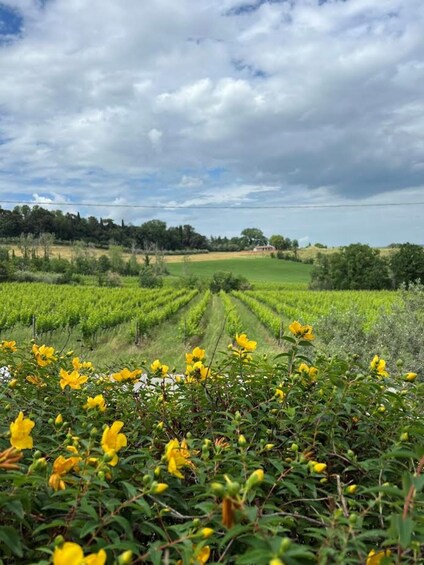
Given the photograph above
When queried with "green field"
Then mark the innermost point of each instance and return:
(258, 269)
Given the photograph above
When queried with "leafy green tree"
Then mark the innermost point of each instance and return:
(280, 242)
(355, 267)
(407, 264)
(254, 236)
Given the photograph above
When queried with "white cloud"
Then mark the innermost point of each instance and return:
(106, 98)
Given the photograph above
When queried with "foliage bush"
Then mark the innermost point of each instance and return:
(407, 264)
(396, 334)
(248, 460)
(148, 278)
(355, 267)
(228, 282)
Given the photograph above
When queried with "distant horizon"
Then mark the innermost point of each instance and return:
(53, 208)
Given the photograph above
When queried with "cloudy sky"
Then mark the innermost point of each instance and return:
(266, 111)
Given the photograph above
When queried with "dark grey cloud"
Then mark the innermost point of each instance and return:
(321, 101)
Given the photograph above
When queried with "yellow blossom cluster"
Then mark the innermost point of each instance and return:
(126, 375)
(43, 354)
(310, 372)
(159, 369)
(72, 379)
(196, 369)
(378, 367)
(8, 346)
(178, 456)
(303, 332)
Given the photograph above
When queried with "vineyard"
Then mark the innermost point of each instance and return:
(138, 316)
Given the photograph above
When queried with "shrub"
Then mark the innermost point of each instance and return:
(296, 459)
(228, 282)
(148, 278)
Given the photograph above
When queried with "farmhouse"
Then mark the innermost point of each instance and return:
(264, 248)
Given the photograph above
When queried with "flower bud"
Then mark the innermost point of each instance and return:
(218, 489)
(319, 467)
(404, 436)
(233, 488)
(255, 478)
(59, 540)
(159, 488)
(241, 440)
(351, 489)
(13, 383)
(285, 544)
(125, 558)
(147, 480)
(58, 420)
(206, 532)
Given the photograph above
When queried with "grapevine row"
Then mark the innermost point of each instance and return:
(190, 324)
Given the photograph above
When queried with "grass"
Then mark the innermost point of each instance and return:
(262, 269)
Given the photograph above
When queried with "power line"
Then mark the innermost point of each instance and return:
(211, 207)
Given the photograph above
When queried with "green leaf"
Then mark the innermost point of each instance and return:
(402, 529)
(11, 539)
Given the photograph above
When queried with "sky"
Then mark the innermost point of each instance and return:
(298, 117)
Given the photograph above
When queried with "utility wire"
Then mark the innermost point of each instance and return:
(212, 207)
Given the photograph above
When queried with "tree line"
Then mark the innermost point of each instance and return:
(69, 227)
(359, 267)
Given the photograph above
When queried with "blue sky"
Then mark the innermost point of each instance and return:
(221, 103)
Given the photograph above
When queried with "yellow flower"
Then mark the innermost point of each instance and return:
(96, 402)
(98, 558)
(74, 380)
(311, 372)
(77, 364)
(160, 488)
(245, 343)
(113, 441)
(58, 420)
(276, 561)
(351, 489)
(196, 355)
(206, 532)
(61, 467)
(157, 367)
(126, 375)
(375, 558)
(20, 431)
(319, 467)
(178, 456)
(410, 377)
(201, 556)
(378, 366)
(8, 346)
(43, 355)
(280, 394)
(69, 554)
(304, 332)
(197, 370)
